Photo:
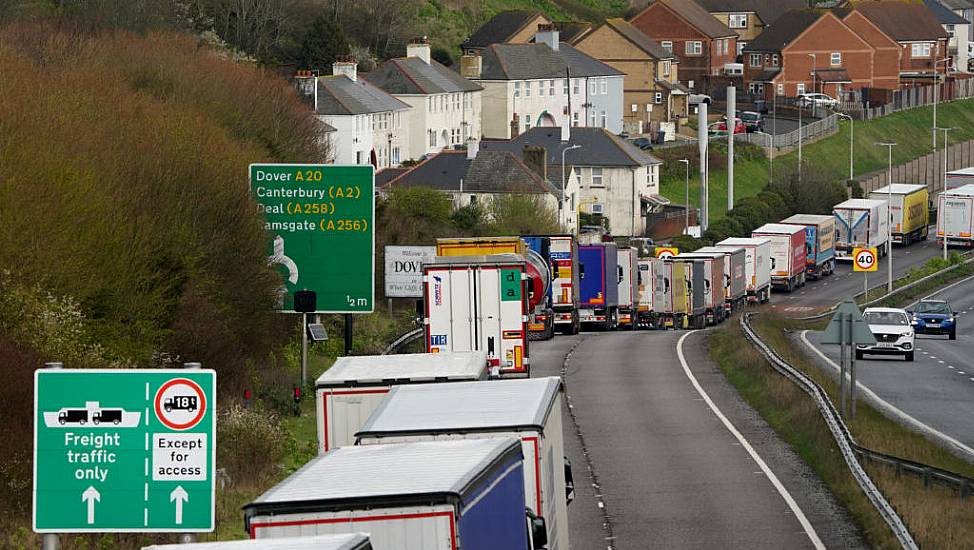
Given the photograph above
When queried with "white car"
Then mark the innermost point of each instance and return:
(893, 330)
(817, 100)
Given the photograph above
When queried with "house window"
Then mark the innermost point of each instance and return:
(836, 59)
(456, 102)
(738, 21)
(666, 68)
(576, 86)
(754, 88)
(726, 46)
(517, 89)
(432, 135)
(541, 87)
(667, 45)
(591, 122)
(604, 84)
(603, 117)
(527, 122)
(950, 30)
(429, 103)
(755, 60)
(575, 119)
(634, 108)
(564, 86)
(781, 89)
(597, 177)
(593, 87)
(527, 89)
(658, 97)
(800, 88)
(358, 157)
(921, 49)
(740, 47)
(650, 180)
(774, 60)
(694, 47)
(649, 107)
(551, 87)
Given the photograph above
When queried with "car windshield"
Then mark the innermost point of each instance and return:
(940, 308)
(886, 318)
(749, 116)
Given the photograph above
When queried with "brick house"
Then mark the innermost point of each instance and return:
(922, 40)
(651, 89)
(808, 51)
(886, 51)
(748, 18)
(703, 44)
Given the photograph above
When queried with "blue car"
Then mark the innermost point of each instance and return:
(934, 317)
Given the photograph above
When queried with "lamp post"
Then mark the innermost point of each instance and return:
(564, 180)
(936, 94)
(686, 223)
(889, 224)
(799, 141)
(851, 142)
(945, 130)
(814, 81)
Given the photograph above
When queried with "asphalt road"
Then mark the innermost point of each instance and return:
(665, 472)
(937, 388)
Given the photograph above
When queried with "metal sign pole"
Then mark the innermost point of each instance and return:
(304, 349)
(51, 541)
(348, 334)
(852, 373)
(189, 538)
(842, 342)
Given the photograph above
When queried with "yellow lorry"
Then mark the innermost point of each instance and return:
(909, 211)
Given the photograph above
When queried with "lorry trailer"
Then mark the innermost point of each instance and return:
(527, 410)
(714, 293)
(671, 300)
(628, 269)
(428, 495)
(599, 280)
(908, 211)
(735, 278)
(960, 178)
(819, 243)
(646, 310)
(757, 266)
(479, 303)
(350, 541)
(787, 254)
(861, 223)
(955, 220)
(562, 257)
(351, 389)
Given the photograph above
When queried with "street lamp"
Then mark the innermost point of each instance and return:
(564, 179)
(889, 222)
(814, 81)
(945, 130)
(686, 224)
(851, 138)
(936, 94)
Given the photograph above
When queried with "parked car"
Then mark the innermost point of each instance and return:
(817, 100)
(893, 330)
(753, 122)
(934, 317)
(643, 143)
(696, 99)
(624, 135)
(739, 127)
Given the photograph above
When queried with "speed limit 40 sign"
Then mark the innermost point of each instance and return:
(864, 259)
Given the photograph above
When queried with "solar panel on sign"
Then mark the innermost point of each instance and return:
(317, 332)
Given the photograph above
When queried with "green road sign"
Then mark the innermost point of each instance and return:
(124, 450)
(860, 333)
(320, 220)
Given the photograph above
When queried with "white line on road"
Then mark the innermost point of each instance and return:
(945, 439)
(806, 525)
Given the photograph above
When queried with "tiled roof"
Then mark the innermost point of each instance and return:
(533, 61)
(832, 75)
(500, 28)
(959, 4)
(944, 15)
(490, 172)
(903, 22)
(639, 38)
(599, 147)
(768, 10)
(573, 31)
(767, 75)
(386, 175)
(699, 18)
(785, 29)
(413, 76)
(340, 95)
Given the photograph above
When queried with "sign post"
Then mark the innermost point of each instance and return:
(847, 326)
(864, 260)
(120, 450)
(664, 252)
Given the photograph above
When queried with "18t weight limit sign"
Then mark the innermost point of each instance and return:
(864, 259)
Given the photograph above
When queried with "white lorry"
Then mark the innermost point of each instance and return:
(787, 253)
(955, 218)
(479, 303)
(348, 392)
(757, 266)
(627, 258)
(861, 223)
(350, 541)
(529, 410)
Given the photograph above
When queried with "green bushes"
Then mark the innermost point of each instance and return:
(252, 443)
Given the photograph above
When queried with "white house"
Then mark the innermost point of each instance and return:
(547, 83)
(444, 106)
(612, 178)
(956, 18)
(367, 120)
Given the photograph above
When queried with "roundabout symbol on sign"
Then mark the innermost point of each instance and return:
(180, 404)
(864, 259)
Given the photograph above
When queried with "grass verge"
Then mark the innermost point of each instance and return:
(932, 266)
(936, 517)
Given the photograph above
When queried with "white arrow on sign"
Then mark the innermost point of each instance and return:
(180, 496)
(91, 495)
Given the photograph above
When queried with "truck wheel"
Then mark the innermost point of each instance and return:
(95, 421)
(909, 356)
(790, 287)
(859, 354)
(908, 239)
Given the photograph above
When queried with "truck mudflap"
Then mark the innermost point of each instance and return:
(518, 366)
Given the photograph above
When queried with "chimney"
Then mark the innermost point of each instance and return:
(346, 65)
(473, 147)
(306, 82)
(547, 34)
(537, 160)
(471, 66)
(419, 47)
(566, 132)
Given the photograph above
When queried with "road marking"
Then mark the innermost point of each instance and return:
(893, 410)
(961, 372)
(806, 525)
(941, 362)
(950, 366)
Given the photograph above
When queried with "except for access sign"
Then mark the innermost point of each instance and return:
(864, 259)
(663, 252)
(320, 219)
(124, 450)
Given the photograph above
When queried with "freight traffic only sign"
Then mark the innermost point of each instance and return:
(124, 450)
(320, 220)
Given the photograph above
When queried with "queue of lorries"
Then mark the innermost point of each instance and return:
(458, 447)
